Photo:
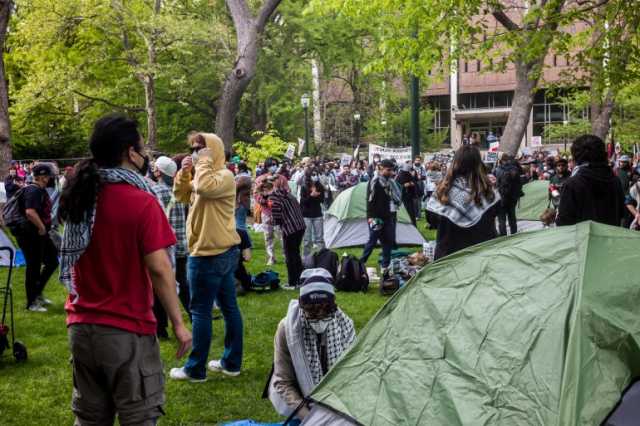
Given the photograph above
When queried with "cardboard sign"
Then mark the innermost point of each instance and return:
(401, 155)
(345, 160)
(491, 157)
(526, 151)
(291, 151)
(356, 152)
(536, 141)
(301, 143)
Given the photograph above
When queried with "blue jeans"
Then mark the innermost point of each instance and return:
(387, 237)
(212, 278)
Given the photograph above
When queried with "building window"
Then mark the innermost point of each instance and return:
(466, 66)
(478, 65)
(555, 60)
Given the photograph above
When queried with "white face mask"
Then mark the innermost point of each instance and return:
(314, 178)
(273, 169)
(320, 326)
(194, 157)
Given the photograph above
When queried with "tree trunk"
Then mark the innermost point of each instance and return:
(248, 32)
(150, 107)
(516, 127)
(317, 106)
(601, 111)
(234, 87)
(5, 122)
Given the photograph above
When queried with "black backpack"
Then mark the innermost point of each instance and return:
(353, 275)
(326, 259)
(509, 185)
(12, 212)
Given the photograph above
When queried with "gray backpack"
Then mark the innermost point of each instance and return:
(12, 213)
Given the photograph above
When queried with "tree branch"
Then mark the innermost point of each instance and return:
(111, 104)
(505, 20)
(265, 13)
(241, 16)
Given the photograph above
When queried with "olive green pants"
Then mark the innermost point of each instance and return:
(115, 372)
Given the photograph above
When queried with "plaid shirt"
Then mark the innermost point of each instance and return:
(177, 215)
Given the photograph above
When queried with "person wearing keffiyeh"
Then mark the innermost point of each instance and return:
(113, 258)
(308, 343)
(384, 198)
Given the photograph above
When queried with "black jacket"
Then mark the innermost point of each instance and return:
(411, 192)
(595, 193)
(311, 206)
(380, 206)
(452, 238)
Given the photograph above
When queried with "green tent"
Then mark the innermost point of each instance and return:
(540, 328)
(345, 223)
(534, 202)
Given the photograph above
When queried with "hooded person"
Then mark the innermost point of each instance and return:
(593, 192)
(408, 181)
(210, 187)
(308, 343)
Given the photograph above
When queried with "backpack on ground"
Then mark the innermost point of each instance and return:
(389, 285)
(12, 213)
(267, 280)
(352, 276)
(326, 259)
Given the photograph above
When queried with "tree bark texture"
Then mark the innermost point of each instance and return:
(5, 122)
(150, 107)
(249, 29)
(317, 105)
(601, 111)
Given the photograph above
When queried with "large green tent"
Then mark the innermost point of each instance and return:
(540, 328)
(345, 223)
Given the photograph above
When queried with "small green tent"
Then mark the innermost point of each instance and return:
(345, 224)
(535, 200)
(540, 328)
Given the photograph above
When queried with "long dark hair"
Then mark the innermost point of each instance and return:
(112, 136)
(467, 163)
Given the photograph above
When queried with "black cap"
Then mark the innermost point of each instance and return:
(387, 163)
(42, 170)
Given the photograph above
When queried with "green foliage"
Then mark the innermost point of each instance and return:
(269, 145)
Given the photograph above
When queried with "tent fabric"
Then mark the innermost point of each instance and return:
(5, 241)
(539, 328)
(355, 232)
(345, 223)
(534, 202)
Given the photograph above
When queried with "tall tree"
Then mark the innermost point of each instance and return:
(249, 30)
(5, 122)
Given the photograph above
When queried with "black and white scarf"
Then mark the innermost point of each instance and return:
(461, 209)
(340, 334)
(77, 236)
(391, 188)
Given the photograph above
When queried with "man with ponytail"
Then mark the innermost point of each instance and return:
(113, 258)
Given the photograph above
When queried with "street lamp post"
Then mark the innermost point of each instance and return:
(356, 133)
(564, 124)
(305, 100)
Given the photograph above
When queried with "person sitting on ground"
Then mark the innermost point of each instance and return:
(308, 343)
(465, 203)
(593, 192)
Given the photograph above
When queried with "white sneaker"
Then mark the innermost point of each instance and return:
(44, 301)
(216, 367)
(37, 307)
(180, 374)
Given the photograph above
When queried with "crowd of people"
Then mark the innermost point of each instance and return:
(143, 236)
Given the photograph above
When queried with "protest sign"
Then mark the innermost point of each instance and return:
(301, 143)
(291, 151)
(345, 160)
(494, 147)
(491, 157)
(536, 141)
(401, 155)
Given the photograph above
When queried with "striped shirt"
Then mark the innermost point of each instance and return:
(286, 212)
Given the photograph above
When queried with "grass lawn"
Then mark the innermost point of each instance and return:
(38, 392)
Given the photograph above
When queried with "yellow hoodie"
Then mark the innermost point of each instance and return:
(211, 224)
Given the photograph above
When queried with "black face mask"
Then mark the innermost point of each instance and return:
(145, 165)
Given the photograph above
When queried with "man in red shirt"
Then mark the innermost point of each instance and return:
(111, 270)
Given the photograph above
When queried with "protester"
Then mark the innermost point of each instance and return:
(308, 343)
(113, 253)
(434, 177)
(213, 255)
(465, 204)
(12, 183)
(558, 180)
(279, 182)
(327, 180)
(346, 179)
(287, 214)
(408, 181)
(164, 172)
(312, 195)
(243, 209)
(373, 167)
(32, 236)
(624, 172)
(178, 221)
(593, 192)
(510, 188)
(384, 197)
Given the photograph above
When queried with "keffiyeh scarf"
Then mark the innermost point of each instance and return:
(461, 210)
(391, 188)
(77, 236)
